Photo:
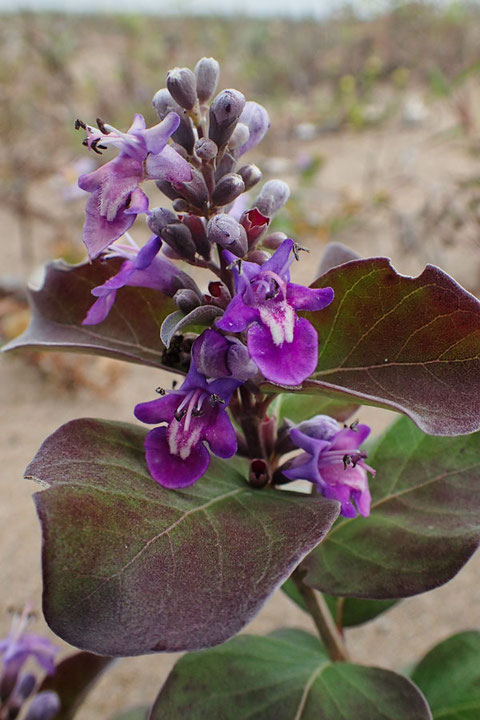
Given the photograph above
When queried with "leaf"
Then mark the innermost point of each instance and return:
(136, 713)
(424, 524)
(408, 344)
(285, 676)
(349, 611)
(130, 567)
(73, 679)
(449, 676)
(177, 321)
(130, 332)
(335, 254)
(299, 406)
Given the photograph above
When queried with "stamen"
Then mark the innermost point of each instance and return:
(297, 248)
(237, 264)
(160, 391)
(80, 124)
(214, 399)
(282, 285)
(102, 127)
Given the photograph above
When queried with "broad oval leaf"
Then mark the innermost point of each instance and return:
(424, 523)
(131, 331)
(285, 676)
(300, 406)
(449, 676)
(408, 344)
(130, 567)
(73, 679)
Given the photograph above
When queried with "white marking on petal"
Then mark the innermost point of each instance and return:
(181, 443)
(279, 317)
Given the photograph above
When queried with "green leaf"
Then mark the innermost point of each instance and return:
(73, 679)
(348, 612)
(449, 676)
(131, 331)
(285, 676)
(424, 523)
(131, 567)
(136, 713)
(298, 407)
(407, 344)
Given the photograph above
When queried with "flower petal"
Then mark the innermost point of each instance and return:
(304, 298)
(237, 316)
(170, 470)
(160, 410)
(220, 435)
(157, 137)
(168, 165)
(100, 309)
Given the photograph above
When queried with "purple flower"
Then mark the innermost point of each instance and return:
(142, 268)
(218, 356)
(116, 198)
(176, 454)
(333, 462)
(18, 646)
(284, 346)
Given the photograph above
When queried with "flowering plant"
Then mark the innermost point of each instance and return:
(173, 539)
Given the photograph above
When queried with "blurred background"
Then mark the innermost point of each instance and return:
(375, 124)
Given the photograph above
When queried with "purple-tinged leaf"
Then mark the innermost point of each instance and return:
(449, 676)
(73, 679)
(130, 332)
(424, 523)
(335, 254)
(174, 570)
(198, 317)
(284, 676)
(407, 344)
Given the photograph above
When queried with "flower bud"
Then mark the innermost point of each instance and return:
(178, 237)
(250, 174)
(160, 217)
(272, 241)
(25, 686)
(227, 189)
(207, 72)
(239, 136)
(167, 189)
(182, 86)
(180, 149)
(186, 300)
(273, 196)
(44, 706)
(228, 233)
(321, 427)
(239, 361)
(255, 117)
(226, 165)
(218, 356)
(195, 191)
(224, 113)
(180, 205)
(258, 256)
(206, 149)
(164, 103)
(196, 225)
(255, 225)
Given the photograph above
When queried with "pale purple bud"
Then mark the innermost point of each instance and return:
(186, 300)
(226, 165)
(179, 238)
(227, 189)
(164, 103)
(321, 427)
(167, 189)
(239, 361)
(182, 86)
(224, 113)
(195, 191)
(228, 233)
(44, 706)
(258, 256)
(206, 149)
(273, 196)
(255, 117)
(197, 227)
(272, 241)
(250, 174)
(25, 686)
(207, 72)
(180, 205)
(160, 217)
(239, 136)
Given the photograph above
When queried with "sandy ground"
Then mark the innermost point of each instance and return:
(412, 168)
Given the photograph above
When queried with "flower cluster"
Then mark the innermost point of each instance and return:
(195, 157)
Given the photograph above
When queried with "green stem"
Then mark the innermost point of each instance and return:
(321, 616)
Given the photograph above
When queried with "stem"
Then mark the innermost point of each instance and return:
(321, 616)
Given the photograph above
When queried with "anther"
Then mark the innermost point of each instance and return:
(297, 248)
(179, 415)
(353, 425)
(237, 264)
(160, 391)
(80, 124)
(347, 460)
(101, 126)
(214, 399)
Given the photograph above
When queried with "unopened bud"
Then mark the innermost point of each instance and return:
(196, 225)
(164, 103)
(321, 427)
(186, 300)
(44, 706)
(160, 217)
(25, 686)
(206, 149)
(258, 256)
(259, 473)
(180, 149)
(207, 72)
(178, 237)
(167, 189)
(250, 174)
(226, 165)
(228, 233)
(195, 191)
(180, 205)
(272, 241)
(224, 113)
(239, 136)
(228, 188)
(273, 196)
(239, 361)
(255, 117)
(182, 86)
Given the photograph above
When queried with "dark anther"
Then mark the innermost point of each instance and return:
(160, 391)
(174, 384)
(297, 248)
(353, 425)
(101, 126)
(179, 415)
(96, 147)
(80, 124)
(274, 291)
(214, 399)
(236, 264)
(347, 460)
(85, 142)
(198, 413)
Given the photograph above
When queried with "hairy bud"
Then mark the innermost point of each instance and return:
(224, 113)
(160, 217)
(164, 103)
(186, 300)
(250, 174)
(272, 241)
(167, 189)
(226, 165)
(195, 191)
(273, 196)
(196, 225)
(227, 189)
(207, 72)
(182, 86)
(179, 238)
(239, 136)
(228, 233)
(206, 149)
